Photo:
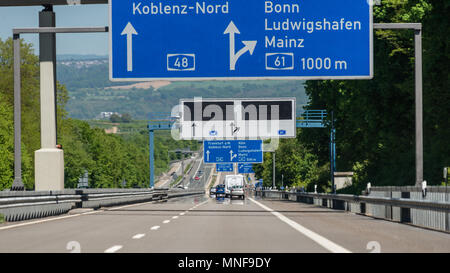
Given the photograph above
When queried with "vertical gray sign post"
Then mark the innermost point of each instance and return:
(49, 160)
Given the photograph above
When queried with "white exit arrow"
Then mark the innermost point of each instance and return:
(129, 31)
(232, 156)
(249, 45)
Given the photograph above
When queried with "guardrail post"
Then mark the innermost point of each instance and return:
(405, 213)
(388, 208)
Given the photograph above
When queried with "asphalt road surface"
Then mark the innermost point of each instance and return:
(203, 224)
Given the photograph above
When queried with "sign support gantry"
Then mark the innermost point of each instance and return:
(316, 119)
(157, 124)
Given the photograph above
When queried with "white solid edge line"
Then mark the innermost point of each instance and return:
(113, 249)
(138, 236)
(155, 227)
(132, 205)
(324, 242)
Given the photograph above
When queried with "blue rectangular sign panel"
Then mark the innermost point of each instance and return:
(245, 168)
(240, 39)
(231, 151)
(224, 167)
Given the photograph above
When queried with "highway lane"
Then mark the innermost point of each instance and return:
(95, 232)
(167, 179)
(202, 224)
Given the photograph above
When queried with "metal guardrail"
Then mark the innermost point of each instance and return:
(17, 206)
(359, 204)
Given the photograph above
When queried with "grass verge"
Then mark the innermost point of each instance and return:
(213, 180)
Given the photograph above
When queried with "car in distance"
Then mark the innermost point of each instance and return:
(220, 191)
(237, 190)
(212, 190)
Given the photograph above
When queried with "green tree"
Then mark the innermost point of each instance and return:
(126, 118)
(115, 118)
(299, 167)
(375, 118)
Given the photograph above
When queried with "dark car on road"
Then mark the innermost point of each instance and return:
(220, 191)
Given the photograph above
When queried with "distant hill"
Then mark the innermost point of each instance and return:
(66, 57)
(91, 92)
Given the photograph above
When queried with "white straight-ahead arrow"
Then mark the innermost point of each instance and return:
(249, 45)
(207, 156)
(129, 31)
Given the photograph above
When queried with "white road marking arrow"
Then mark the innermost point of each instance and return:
(249, 45)
(207, 156)
(129, 31)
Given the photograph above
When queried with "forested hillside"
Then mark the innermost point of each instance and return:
(109, 159)
(88, 85)
(374, 119)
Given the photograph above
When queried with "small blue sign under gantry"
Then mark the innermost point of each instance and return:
(224, 167)
(245, 168)
(233, 151)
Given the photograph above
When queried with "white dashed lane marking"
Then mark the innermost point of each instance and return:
(138, 236)
(113, 249)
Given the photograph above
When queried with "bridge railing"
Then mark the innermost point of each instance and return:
(24, 205)
(433, 214)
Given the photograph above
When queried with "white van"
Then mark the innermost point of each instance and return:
(234, 186)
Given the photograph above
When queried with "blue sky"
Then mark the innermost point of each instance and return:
(66, 16)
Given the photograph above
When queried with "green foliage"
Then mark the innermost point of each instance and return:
(299, 167)
(375, 128)
(90, 93)
(115, 118)
(109, 159)
(375, 118)
(30, 113)
(126, 118)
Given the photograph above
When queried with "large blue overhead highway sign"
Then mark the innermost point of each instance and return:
(236, 39)
(232, 151)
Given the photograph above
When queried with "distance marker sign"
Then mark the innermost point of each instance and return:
(236, 39)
